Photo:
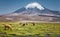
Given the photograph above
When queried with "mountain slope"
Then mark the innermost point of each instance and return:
(32, 12)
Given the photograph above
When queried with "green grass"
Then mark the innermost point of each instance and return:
(40, 28)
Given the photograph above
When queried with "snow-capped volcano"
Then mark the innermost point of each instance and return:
(33, 5)
(32, 12)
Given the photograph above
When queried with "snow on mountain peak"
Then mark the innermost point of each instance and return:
(33, 5)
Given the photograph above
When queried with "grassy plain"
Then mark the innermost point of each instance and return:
(40, 29)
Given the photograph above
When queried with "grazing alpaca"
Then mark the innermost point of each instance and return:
(26, 23)
(23, 25)
(33, 24)
(7, 27)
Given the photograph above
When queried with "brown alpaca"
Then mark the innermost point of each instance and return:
(23, 25)
(33, 24)
(7, 27)
(26, 23)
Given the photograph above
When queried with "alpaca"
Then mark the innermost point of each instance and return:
(33, 24)
(23, 25)
(7, 27)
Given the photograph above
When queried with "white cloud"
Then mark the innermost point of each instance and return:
(33, 5)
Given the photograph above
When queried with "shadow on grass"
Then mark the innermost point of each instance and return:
(4, 34)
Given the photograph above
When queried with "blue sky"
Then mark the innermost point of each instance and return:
(9, 6)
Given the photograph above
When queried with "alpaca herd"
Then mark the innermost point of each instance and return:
(9, 26)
